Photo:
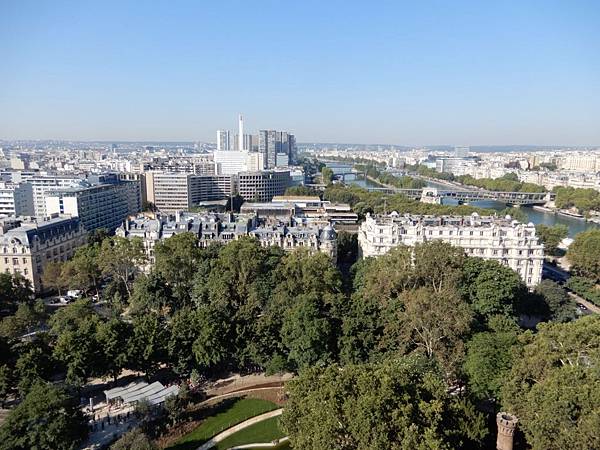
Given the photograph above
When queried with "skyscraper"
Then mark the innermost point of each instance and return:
(278, 147)
(223, 140)
(241, 134)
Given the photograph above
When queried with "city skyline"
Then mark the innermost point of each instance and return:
(400, 74)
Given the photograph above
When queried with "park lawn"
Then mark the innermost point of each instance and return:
(261, 432)
(232, 414)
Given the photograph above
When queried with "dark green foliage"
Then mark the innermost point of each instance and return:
(405, 182)
(489, 358)
(586, 288)
(491, 288)
(553, 385)
(47, 419)
(14, 289)
(403, 403)
(302, 191)
(559, 305)
(176, 261)
(507, 183)
(134, 440)
(364, 201)
(584, 200)
(551, 236)
(584, 254)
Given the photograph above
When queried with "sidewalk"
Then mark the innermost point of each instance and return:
(240, 426)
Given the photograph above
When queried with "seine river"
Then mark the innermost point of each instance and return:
(537, 217)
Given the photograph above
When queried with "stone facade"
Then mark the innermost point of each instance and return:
(26, 247)
(224, 228)
(499, 238)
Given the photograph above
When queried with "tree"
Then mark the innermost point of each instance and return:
(184, 329)
(134, 440)
(14, 289)
(429, 322)
(307, 333)
(515, 214)
(551, 237)
(34, 364)
(83, 269)
(490, 357)
(176, 261)
(553, 385)
(97, 236)
(402, 403)
(52, 278)
(151, 292)
(491, 288)
(559, 305)
(47, 419)
(211, 347)
(6, 383)
(584, 254)
(302, 191)
(327, 175)
(112, 337)
(347, 248)
(147, 345)
(26, 318)
(121, 258)
(78, 349)
(71, 316)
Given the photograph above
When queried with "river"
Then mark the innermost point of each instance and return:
(574, 225)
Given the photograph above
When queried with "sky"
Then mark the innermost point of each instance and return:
(389, 72)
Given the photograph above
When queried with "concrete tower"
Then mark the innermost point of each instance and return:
(241, 134)
(507, 423)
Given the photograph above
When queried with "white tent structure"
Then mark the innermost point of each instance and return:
(154, 393)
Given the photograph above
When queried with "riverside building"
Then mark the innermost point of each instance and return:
(507, 241)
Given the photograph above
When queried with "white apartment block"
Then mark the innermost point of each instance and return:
(507, 241)
(16, 199)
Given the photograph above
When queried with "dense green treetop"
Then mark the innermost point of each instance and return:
(553, 385)
(551, 236)
(48, 418)
(584, 254)
(402, 403)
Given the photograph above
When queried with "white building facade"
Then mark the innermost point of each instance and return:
(509, 242)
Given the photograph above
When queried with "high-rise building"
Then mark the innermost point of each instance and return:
(223, 140)
(263, 185)
(102, 205)
(277, 147)
(241, 134)
(16, 199)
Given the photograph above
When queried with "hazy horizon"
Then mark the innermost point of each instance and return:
(340, 72)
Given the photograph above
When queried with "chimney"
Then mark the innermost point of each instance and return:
(507, 423)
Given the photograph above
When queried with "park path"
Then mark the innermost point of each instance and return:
(240, 426)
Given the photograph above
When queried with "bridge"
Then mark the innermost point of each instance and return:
(433, 195)
(353, 173)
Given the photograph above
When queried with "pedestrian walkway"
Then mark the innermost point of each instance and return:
(240, 426)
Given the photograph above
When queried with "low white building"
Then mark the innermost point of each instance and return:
(507, 241)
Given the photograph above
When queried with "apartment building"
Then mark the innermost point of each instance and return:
(499, 238)
(27, 247)
(102, 205)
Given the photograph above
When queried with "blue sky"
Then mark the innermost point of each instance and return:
(413, 73)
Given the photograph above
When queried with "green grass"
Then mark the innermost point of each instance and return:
(224, 415)
(261, 432)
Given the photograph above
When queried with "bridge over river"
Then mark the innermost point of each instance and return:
(434, 195)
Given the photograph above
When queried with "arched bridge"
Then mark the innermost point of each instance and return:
(433, 195)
